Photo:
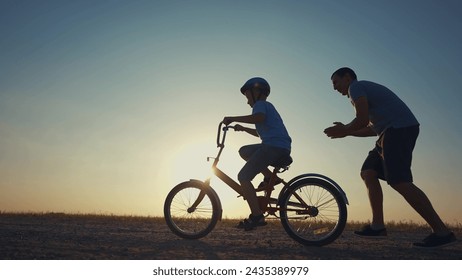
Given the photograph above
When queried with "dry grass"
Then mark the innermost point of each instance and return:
(396, 225)
(402, 226)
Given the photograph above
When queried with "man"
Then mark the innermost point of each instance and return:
(381, 112)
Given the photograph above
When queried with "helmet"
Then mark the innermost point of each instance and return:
(256, 82)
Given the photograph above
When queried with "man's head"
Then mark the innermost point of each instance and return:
(342, 78)
(255, 89)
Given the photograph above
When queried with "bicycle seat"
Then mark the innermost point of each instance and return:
(283, 162)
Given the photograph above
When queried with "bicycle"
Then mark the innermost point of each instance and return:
(312, 207)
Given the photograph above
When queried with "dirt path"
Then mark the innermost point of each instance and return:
(76, 237)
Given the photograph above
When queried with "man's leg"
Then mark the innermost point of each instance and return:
(420, 202)
(374, 190)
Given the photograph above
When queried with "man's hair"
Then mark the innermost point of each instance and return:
(343, 71)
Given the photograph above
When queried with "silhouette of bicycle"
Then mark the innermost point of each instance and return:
(311, 207)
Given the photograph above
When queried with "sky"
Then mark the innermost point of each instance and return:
(107, 105)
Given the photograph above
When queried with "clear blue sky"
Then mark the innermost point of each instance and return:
(106, 105)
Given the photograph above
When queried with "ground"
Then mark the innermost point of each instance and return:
(97, 237)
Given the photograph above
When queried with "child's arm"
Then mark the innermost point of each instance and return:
(251, 131)
(251, 119)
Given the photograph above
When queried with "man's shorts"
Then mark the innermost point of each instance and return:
(392, 156)
(258, 157)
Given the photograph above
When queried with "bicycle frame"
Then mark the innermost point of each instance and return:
(220, 174)
(311, 207)
(267, 199)
(217, 171)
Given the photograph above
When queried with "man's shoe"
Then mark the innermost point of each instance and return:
(435, 241)
(368, 232)
(252, 222)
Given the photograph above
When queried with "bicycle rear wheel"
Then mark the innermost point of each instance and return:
(192, 210)
(313, 212)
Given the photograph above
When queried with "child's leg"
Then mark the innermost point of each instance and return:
(251, 197)
(267, 173)
(257, 162)
(246, 152)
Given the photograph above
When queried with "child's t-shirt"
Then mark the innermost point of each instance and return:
(272, 131)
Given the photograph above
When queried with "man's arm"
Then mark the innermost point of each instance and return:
(362, 116)
(357, 127)
(365, 132)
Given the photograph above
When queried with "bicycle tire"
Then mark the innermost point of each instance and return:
(322, 221)
(195, 223)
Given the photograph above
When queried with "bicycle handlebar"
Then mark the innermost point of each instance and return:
(221, 140)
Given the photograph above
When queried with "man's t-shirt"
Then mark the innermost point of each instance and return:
(272, 131)
(386, 109)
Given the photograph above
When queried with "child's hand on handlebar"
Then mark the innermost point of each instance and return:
(239, 127)
(227, 120)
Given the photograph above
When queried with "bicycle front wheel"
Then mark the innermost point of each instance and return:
(192, 210)
(313, 212)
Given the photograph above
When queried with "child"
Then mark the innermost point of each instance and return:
(276, 144)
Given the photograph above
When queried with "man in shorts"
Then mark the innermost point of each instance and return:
(381, 112)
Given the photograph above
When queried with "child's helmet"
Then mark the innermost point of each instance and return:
(258, 83)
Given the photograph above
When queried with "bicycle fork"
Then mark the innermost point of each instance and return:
(198, 201)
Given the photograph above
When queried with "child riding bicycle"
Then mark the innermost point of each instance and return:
(276, 144)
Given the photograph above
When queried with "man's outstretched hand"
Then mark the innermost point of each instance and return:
(338, 130)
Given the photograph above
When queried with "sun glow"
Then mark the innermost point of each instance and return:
(190, 162)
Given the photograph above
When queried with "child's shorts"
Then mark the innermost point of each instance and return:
(258, 157)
